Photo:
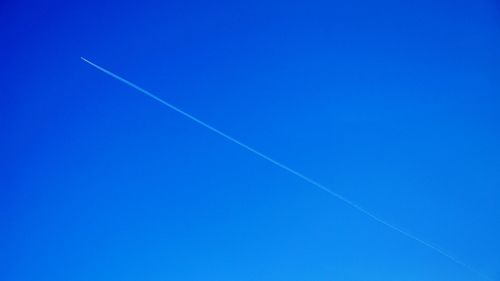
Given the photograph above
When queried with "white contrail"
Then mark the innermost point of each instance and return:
(292, 171)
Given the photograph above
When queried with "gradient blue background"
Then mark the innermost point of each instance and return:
(394, 104)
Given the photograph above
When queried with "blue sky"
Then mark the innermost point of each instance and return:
(394, 105)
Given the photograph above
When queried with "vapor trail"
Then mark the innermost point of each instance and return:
(292, 171)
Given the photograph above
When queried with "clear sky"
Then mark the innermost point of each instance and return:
(395, 105)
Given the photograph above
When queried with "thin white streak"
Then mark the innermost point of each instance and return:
(292, 171)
